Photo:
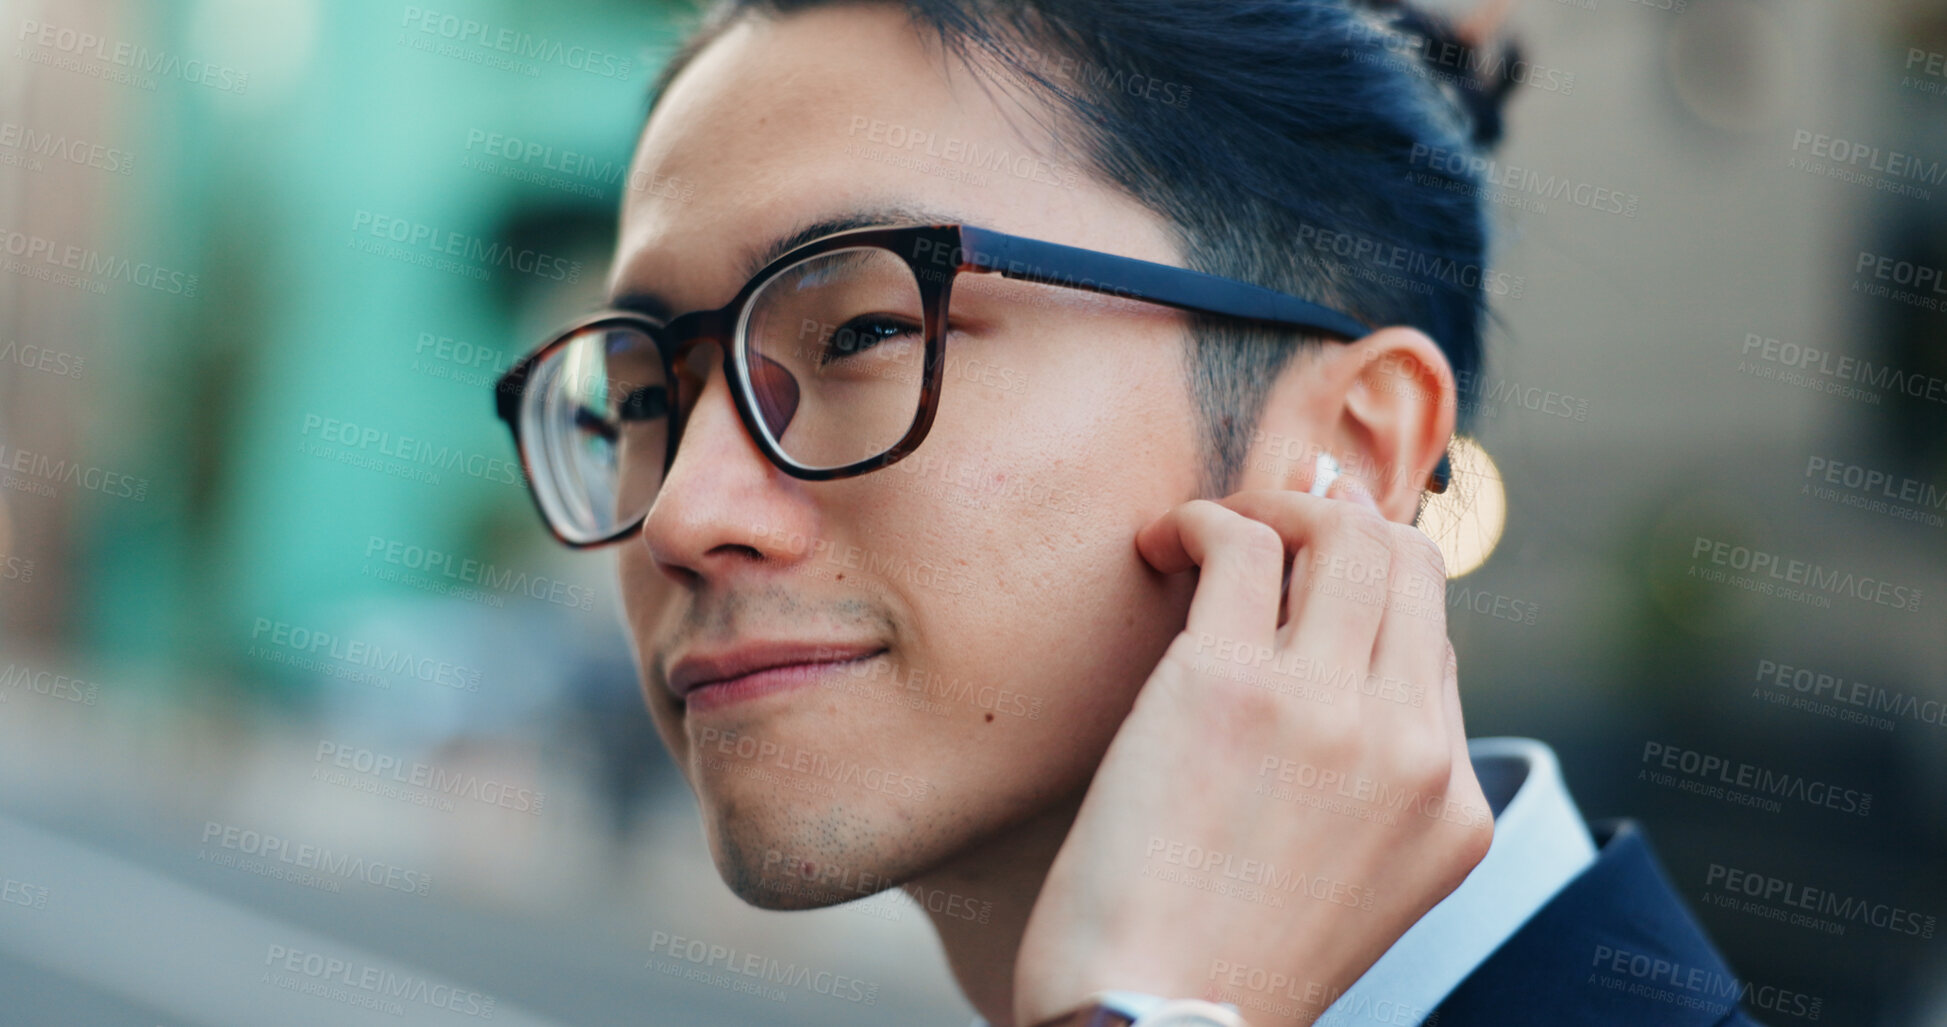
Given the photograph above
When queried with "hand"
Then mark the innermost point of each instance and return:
(1286, 797)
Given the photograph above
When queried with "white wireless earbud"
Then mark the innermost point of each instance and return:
(1328, 472)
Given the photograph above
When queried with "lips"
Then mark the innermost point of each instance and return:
(789, 659)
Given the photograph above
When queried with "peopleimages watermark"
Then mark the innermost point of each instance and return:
(964, 156)
(901, 360)
(416, 242)
(283, 642)
(1358, 796)
(1800, 905)
(1916, 285)
(818, 880)
(1297, 999)
(1369, 583)
(471, 364)
(563, 169)
(1793, 579)
(506, 48)
(446, 572)
(22, 894)
(22, 677)
(750, 752)
(930, 691)
(1018, 63)
(1931, 76)
(1280, 452)
(418, 459)
(1692, 987)
(40, 358)
(24, 147)
(1448, 61)
(23, 470)
(1520, 181)
(362, 984)
(895, 566)
(1886, 171)
(1275, 991)
(1829, 695)
(16, 568)
(86, 268)
(95, 56)
(1820, 370)
(747, 972)
(1214, 651)
(1741, 783)
(1251, 880)
(313, 866)
(1485, 398)
(1874, 490)
(434, 786)
(1399, 266)
(1407, 377)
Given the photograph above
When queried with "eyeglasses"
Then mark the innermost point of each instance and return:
(834, 353)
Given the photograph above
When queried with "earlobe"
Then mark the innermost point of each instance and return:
(1400, 407)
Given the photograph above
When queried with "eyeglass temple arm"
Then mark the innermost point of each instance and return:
(1033, 260)
(1012, 256)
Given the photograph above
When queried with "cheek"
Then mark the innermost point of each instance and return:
(1062, 622)
(645, 591)
(646, 594)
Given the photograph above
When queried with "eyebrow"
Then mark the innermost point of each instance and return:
(647, 301)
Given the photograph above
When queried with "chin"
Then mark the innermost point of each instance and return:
(782, 853)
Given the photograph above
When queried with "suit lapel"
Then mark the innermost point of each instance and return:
(1616, 947)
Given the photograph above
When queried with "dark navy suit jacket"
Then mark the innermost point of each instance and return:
(1615, 948)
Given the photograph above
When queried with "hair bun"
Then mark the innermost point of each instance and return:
(1454, 55)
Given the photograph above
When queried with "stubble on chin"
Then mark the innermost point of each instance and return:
(811, 858)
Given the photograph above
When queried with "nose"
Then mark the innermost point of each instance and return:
(722, 506)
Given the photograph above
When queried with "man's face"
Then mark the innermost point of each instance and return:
(989, 583)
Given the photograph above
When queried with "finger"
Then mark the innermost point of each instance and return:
(1238, 560)
(1450, 698)
(1409, 653)
(1338, 575)
(1464, 787)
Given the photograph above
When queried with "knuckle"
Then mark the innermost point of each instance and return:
(1362, 531)
(1353, 545)
(1354, 521)
(1461, 850)
(1418, 552)
(1259, 707)
(1257, 540)
(1425, 763)
(1333, 737)
(1244, 718)
(1475, 840)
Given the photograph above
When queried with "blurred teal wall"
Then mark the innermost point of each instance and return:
(269, 195)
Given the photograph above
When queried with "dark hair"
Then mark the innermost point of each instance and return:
(1320, 147)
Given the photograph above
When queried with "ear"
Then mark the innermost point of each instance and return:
(1397, 415)
(1383, 407)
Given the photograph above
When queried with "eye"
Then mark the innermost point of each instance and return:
(863, 333)
(592, 422)
(644, 404)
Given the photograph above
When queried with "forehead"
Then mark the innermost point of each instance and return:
(782, 122)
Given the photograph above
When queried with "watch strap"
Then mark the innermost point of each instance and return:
(1093, 1014)
(1126, 1008)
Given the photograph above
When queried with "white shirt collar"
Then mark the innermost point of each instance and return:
(1540, 845)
